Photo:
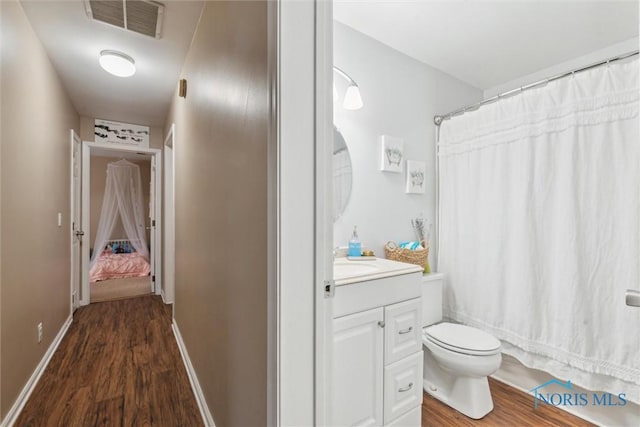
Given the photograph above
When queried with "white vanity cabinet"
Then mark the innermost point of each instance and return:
(377, 353)
(358, 341)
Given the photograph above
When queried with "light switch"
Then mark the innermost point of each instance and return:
(59, 219)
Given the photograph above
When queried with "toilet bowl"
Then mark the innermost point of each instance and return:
(457, 360)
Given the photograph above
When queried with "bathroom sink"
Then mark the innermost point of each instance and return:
(346, 271)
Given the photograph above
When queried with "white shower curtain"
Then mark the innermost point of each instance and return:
(540, 215)
(122, 198)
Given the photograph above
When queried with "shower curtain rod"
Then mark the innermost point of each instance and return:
(438, 119)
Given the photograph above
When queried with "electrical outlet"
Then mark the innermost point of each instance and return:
(39, 332)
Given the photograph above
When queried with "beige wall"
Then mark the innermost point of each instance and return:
(221, 210)
(156, 137)
(36, 116)
(98, 180)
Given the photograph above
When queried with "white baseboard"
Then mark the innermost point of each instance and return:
(164, 298)
(17, 407)
(193, 378)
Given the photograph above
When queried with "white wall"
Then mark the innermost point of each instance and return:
(401, 95)
(564, 67)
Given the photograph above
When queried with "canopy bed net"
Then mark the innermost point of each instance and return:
(123, 202)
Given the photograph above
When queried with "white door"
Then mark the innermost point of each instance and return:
(152, 222)
(155, 214)
(77, 233)
(168, 253)
(358, 348)
(85, 171)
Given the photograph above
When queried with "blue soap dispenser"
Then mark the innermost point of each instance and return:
(355, 247)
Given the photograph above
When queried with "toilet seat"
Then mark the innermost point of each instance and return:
(462, 339)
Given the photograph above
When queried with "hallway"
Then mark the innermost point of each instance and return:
(118, 364)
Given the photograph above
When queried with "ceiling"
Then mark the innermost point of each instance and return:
(73, 42)
(488, 43)
(468, 39)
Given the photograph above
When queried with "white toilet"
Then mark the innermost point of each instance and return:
(457, 358)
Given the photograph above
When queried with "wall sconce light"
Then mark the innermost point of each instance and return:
(352, 98)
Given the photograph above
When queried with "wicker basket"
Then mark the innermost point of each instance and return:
(395, 253)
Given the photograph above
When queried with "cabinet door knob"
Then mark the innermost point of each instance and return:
(407, 388)
(381, 323)
(406, 331)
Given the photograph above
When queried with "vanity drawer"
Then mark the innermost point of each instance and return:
(403, 332)
(402, 387)
(413, 418)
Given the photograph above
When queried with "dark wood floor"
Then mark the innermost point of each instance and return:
(118, 365)
(511, 407)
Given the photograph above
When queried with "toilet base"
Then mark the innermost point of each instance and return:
(469, 396)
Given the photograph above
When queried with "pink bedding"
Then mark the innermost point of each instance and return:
(119, 266)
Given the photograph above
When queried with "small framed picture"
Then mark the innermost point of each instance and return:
(391, 154)
(416, 174)
(121, 133)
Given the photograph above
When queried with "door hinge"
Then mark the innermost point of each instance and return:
(329, 288)
(153, 222)
(153, 278)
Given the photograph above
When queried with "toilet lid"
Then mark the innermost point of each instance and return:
(464, 339)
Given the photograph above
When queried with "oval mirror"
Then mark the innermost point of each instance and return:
(342, 174)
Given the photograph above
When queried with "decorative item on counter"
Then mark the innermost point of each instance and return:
(423, 236)
(418, 256)
(367, 255)
(355, 247)
(411, 245)
(418, 228)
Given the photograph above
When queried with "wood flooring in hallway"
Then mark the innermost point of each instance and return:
(511, 407)
(118, 365)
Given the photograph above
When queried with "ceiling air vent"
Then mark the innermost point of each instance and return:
(141, 16)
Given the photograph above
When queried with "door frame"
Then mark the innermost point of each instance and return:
(169, 231)
(324, 211)
(156, 175)
(304, 220)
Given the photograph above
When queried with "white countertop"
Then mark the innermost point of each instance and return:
(346, 271)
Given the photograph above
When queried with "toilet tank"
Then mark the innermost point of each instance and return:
(432, 298)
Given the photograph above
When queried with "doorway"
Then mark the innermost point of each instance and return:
(116, 152)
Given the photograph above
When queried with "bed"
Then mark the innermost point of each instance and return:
(119, 260)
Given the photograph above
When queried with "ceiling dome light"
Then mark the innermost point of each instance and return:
(117, 63)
